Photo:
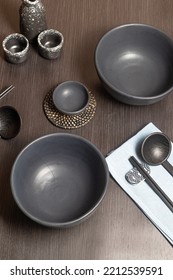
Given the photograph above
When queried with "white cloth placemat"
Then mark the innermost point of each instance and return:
(153, 207)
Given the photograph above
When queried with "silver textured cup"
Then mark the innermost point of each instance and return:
(50, 43)
(16, 48)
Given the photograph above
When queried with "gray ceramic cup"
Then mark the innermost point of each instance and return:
(71, 97)
(16, 48)
(50, 43)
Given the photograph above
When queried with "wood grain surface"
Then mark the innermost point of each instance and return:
(118, 229)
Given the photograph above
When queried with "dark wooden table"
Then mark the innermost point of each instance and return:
(118, 229)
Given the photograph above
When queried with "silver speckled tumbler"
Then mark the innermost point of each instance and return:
(32, 18)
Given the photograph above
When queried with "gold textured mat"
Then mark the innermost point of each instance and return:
(68, 121)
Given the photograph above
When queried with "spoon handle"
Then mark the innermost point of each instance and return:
(150, 181)
(168, 167)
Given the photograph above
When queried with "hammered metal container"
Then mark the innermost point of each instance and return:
(50, 43)
(32, 18)
(16, 48)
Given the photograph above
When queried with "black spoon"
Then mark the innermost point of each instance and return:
(10, 122)
(156, 149)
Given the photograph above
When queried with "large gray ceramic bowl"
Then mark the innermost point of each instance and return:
(135, 64)
(59, 179)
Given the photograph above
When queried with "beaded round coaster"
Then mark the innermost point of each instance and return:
(68, 121)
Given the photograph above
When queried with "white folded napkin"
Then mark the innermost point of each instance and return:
(150, 203)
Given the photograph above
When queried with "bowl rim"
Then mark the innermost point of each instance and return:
(14, 36)
(103, 78)
(50, 32)
(80, 218)
(66, 112)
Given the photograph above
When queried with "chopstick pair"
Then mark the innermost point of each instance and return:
(150, 181)
(7, 90)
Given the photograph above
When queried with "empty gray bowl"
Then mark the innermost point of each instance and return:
(59, 179)
(16, 48)
(71, 97)
(135, 64)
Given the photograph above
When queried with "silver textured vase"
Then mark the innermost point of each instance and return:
(32, 18)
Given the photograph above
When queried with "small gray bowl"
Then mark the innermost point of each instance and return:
(50, 43)
(16, 48)
(71, 97)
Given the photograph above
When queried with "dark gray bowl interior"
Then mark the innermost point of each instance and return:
(156, 148)
(10, 122)
(15, 45)
(71, 97)
(136, 61)
(51, 40)
(59, 179)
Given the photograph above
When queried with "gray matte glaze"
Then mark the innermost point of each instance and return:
(10, 122)
(135, 64)
(71, 97)
(59, 179)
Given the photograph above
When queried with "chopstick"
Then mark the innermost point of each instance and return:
(150, 181)
(7, 90)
